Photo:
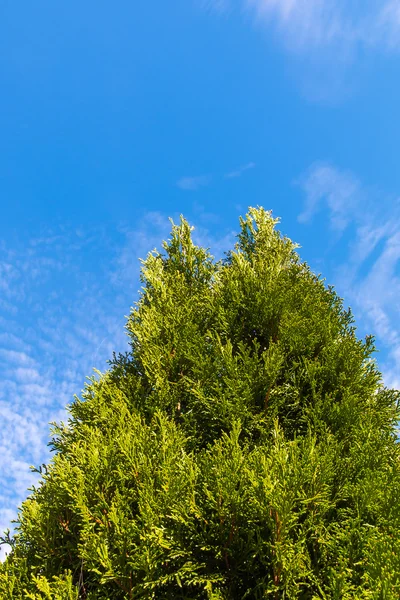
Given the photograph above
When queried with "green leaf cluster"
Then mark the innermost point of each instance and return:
(245, 447)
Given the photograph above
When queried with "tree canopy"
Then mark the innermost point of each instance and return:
(244, 448)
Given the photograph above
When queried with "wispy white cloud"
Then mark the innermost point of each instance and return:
(312, 22)
(137, 243)
(17, 358)
(325, 38)
(65, 320)
(26, 375)
(369, 276)
(387, 26)
(238, 172)
(339, 189)
(218, 245)
(319, 23)
(219, 6)
(9, 340)
(193, 183)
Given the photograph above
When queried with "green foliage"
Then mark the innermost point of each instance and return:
(244, 448)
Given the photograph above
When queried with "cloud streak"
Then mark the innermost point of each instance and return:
(314, 22)
(325, 39)
(369, 277)
(320, 23)
(56, 312)
(239, 172)
(193, 183)
(339, 189)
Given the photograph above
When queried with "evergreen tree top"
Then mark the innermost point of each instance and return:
(245, 447)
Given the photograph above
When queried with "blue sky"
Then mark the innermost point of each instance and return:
(114, 117)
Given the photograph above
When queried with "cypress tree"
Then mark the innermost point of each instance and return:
(244, 448)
